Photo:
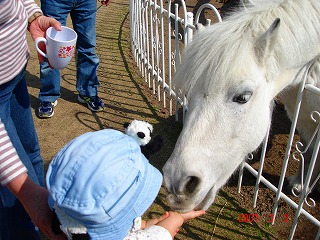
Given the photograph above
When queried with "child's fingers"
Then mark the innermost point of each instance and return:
(154, 221)
(164, 216)
(192, 214)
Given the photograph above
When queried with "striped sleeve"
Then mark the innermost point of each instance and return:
(13, 42)
(31, 7)
(10, 163)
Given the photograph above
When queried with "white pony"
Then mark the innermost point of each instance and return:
(231, 72)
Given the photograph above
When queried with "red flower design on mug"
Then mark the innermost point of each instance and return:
(65, 52)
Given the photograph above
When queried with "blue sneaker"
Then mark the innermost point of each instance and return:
(95, 103)
(45, 110)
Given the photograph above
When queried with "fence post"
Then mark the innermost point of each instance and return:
(188, 26)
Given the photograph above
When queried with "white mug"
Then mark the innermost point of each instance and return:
(60, 46)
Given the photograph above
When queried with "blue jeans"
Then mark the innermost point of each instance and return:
(16, 115)
(83, 15)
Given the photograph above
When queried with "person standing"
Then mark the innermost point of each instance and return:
(83, 16)
(15, 114)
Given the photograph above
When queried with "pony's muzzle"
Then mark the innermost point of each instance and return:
(181, 192)
(188, 185)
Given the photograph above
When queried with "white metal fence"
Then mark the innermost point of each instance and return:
(158, 36)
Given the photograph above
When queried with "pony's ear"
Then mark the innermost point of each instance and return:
(200, 27)
(265, 43)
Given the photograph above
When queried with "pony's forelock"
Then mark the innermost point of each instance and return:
(229, 40)
(201, 59)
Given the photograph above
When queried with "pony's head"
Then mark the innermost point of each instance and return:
(227, 75)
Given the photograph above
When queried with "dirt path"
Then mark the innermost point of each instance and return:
(123, 100)
(127, 97)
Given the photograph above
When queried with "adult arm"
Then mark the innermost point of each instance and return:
(38, 24)
(10, 164)
(34, 198)
(15, 16)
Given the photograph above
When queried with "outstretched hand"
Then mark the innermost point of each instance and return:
(154, 221)
(190, 215)
(172, 221)
(175, 220)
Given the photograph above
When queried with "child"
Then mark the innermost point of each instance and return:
(100, 184)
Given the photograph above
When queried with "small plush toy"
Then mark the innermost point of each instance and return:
(141, 131)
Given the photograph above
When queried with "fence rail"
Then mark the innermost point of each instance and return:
(158, 37)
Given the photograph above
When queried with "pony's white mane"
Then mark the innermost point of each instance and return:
(222, 47)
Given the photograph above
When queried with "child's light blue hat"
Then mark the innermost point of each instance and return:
(102, 180)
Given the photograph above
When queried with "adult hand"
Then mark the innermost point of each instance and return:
(39, 27)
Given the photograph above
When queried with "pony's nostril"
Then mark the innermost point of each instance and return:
(192, 184)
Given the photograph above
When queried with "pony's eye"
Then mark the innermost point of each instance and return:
(242, 98)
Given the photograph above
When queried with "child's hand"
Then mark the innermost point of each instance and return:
(154, 221)
(175, 220)
(192, 214)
